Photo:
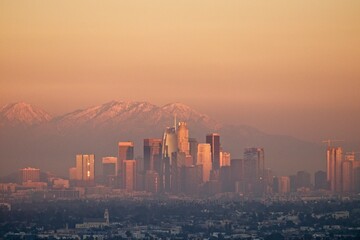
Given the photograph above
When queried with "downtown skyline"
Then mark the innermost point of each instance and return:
(165, 119)
(178, 164)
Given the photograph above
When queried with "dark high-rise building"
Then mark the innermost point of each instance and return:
(126, 152)
(110, 171)
(129, 175)
(237, 174)
(293, 183)
(357, 179)
(193, 149)
(151, 181)
(152, 153)
(214, 140)
(189, 180)
(347, 176)
(225, 179)
(320, 180)
(254, 167)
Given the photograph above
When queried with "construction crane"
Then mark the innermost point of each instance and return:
(350, 155)
(329, 141)
(353, 153)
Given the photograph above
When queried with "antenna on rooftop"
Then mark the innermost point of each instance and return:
(175, 121)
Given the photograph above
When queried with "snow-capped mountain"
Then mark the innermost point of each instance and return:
(22, 114)
(184, 112)
(144, 113)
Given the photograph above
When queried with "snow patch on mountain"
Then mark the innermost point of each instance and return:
(23, 114)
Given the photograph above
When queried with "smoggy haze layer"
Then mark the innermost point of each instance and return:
(288, 67)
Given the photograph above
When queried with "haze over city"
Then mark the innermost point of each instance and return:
(180, 119)
(286, 68)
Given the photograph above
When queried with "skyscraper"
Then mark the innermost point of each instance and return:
(214, 140)
(193, 144)
(29, 174)
(129, 175)
(204, 159)
(183, 138)
(283, 184)
(110, 170)
(347, 176)
(237, 175)
(170, 144)
(85, 168)
(225, 158)
(333, 160)
(126, 152)
(109, 165)
(169, 167)
(254, 167)
(152, 153)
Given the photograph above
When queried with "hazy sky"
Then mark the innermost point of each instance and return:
(288, 67)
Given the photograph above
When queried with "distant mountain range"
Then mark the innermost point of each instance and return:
(29, 136)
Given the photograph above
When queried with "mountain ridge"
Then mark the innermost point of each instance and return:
(97, 129)
(22, 113)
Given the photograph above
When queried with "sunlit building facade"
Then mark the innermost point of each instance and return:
(183, 138)
(333, 162)
(85, 168)
(225, 158)
(204, 159)
(29, 175)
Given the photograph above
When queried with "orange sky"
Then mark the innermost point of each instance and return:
(289, 67)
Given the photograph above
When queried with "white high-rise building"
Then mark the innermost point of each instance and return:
(204, 159)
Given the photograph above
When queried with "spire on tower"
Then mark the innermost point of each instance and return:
(175, 121)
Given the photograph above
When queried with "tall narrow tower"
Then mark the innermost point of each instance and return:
(204, 159)
(214, 140)
(254, 166)
(152, 153)
(85, 168)
(333, 162)
(126, 152)
(183, 138)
